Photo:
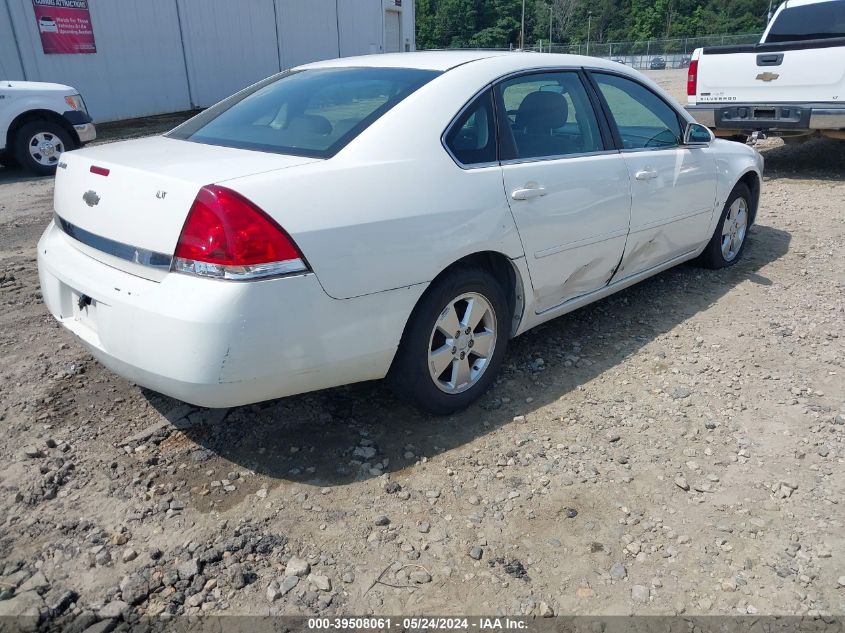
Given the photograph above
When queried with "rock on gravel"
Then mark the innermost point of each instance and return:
(297, 567)
(639, 593)
(23, 609)
(134, 588)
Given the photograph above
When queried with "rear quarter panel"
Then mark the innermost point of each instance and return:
(392, 209)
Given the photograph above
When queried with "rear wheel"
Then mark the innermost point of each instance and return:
(454, 343)
(38, 146)
(728, 241)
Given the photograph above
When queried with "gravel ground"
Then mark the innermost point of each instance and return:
(675, 448)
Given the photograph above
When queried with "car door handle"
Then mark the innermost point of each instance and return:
(646, 174)
(527, 193)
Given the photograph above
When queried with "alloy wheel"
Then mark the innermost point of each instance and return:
(734, 229)
(462, 343)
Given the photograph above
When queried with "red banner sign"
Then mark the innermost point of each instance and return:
(65, 26)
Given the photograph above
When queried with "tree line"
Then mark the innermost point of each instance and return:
(496, 23)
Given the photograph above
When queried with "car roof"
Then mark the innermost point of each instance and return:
(423, 60)
(447, 59)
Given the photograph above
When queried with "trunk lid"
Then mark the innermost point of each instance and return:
(150, 186)
(789, 75)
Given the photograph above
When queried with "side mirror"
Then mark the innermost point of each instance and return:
(697, 135)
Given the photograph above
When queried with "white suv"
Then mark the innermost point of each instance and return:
(39, 121)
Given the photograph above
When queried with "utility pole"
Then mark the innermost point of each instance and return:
(551, 17)
(522, 29)
(589, 23)
(769, 18)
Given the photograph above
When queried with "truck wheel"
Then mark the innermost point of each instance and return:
(38, 145)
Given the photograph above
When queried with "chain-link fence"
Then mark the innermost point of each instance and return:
(674, 53)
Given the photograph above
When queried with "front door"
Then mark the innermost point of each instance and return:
(569, 193)
(673, 188)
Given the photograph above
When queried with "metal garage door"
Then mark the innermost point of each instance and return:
(307, 31)
(228, 45)
(392, 32)
(360, 27)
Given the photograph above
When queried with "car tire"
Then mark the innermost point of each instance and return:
(728, 241)
(38, 145)
(462, 296)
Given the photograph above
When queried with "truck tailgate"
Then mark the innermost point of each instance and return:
(772, 74)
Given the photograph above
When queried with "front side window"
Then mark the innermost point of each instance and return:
(306, 113)
(547, 115)
(472, 138)
(643, 119)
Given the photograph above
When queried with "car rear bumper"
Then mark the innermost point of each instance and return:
(217, 343)
(760, 116)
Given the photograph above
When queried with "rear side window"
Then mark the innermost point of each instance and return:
(306, 113)
(809, 22)
(472, 138)
(643, 119)
(547, 115)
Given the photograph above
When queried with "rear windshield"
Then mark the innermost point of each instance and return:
(809, 22)
(305, 113)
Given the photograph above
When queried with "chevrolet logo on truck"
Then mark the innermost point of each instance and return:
(767, 76)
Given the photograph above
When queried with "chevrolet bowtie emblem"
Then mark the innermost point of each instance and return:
(91, 198)
(767, 76)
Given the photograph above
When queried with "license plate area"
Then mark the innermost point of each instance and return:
(84, 310)
(763, 116)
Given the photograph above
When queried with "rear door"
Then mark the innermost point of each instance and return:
(567, 186)
(673, 187)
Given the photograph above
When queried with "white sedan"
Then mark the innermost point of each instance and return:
(397, 216)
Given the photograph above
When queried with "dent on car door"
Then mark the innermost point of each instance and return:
(568, 190)
(673, 188)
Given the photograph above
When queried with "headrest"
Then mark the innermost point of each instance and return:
(542, 111)
(309, 124)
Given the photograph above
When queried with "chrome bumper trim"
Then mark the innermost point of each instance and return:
(120, 250)
(820, 118)
(86, 132)
(827, 118)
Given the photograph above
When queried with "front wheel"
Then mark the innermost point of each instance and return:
(454, 343)
(38, 146)
(728, 241)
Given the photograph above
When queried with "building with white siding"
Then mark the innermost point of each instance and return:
(158, 56)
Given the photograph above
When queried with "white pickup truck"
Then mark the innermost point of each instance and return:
(791, 84)
(39, 121)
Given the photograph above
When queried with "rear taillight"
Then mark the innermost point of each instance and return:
(692, 78)
(226, 236)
